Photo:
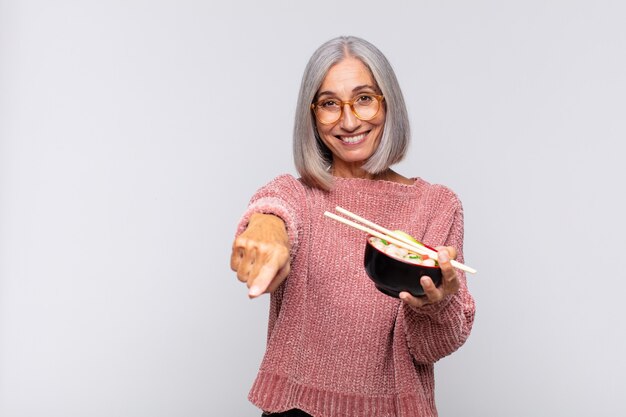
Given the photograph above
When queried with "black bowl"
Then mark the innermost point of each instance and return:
(392, 275)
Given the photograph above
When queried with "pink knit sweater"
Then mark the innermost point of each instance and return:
(336, 346)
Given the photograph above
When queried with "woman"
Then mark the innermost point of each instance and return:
(337, 346)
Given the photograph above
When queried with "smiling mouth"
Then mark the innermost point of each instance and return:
(350, 140)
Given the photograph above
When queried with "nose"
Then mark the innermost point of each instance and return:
(348, 121)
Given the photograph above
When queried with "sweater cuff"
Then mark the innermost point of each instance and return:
(275, 206)
(436, 312)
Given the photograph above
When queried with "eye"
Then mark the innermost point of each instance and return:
(328, 104)
(365, 99)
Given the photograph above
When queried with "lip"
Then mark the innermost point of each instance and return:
(349, 142)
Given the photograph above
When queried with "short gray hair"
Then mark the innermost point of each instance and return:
(312, 158)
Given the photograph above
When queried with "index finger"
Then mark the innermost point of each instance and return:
(260, 283)
(450, 279)
(451, 251)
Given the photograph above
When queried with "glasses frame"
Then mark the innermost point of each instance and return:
(379, 97)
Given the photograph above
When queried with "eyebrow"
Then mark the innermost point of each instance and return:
(354, 90)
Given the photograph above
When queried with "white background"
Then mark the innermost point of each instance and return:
(133, 133)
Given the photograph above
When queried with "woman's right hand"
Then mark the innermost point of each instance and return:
(260, 254)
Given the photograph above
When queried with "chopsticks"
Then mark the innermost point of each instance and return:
(392, 237)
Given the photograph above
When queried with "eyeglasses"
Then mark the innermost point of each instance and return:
(365, 107)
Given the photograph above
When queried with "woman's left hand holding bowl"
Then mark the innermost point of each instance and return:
(449, 284)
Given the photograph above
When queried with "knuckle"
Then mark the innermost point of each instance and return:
(246, 243)
(240, 241)
(241, 277)
(283, 250)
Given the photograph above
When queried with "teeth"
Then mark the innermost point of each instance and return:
(353, 139)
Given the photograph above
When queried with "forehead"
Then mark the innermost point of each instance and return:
(346, 75)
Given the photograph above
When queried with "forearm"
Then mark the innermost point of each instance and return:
(435, 331)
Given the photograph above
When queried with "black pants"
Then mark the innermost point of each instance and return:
(290, 413)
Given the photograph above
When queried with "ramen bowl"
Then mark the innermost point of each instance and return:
(392, 272)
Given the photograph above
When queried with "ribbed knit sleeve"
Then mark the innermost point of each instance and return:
(283, 197)
(437, 330)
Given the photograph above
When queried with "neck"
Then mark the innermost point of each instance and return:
(350, 170)
(358, 172)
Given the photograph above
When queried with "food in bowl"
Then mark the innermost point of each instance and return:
(400, 253)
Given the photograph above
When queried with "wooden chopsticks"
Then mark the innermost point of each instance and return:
(390, 236)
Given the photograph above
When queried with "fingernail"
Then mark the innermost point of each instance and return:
(254, 291)
(443, 256)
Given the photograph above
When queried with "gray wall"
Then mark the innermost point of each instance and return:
(132, 135)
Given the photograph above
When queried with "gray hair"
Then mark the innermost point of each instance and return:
(312, 158)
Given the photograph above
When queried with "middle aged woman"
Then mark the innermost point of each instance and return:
(336, 345)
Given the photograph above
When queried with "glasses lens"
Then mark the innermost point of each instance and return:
(328, 111)
(366, 107)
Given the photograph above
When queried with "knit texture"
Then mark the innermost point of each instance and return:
(336, 346)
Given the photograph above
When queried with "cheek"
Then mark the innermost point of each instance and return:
(379, 123)
(381, 118)
(324, 132)
(325, 137)
(321, 129)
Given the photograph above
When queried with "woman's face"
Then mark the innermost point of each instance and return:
(351, 140)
